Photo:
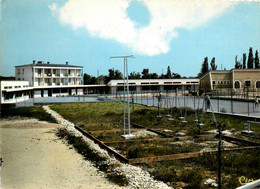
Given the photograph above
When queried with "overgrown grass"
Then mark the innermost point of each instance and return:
(193, 172)
(31, 112)
(139, 150)
(109, 115)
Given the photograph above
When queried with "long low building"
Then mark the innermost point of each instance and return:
(18, 91)
(153, 85)
(14, 91)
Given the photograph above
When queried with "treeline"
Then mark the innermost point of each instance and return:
(205, 66)
(246, 63)
(249, 62)
(116, 74)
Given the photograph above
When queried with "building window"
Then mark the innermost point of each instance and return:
(247, 83)
(213, 82)
(225, 82)
(228, 82)
(237, 85)
(218, 82)
(257, 84)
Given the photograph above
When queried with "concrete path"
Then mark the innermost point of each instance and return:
(34, 157)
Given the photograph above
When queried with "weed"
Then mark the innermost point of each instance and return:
(30, 112)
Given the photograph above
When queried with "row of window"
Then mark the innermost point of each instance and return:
(247, 84)
(16, 87)
(221, 82)
(156, 83)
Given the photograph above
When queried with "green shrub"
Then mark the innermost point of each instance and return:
(135, 152)
(193, 177)
(165, 174)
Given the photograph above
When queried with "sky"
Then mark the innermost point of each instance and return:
(159, 33)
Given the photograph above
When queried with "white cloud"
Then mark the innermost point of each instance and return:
(108, 19)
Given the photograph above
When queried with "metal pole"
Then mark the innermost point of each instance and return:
(125, 72)
(128, 104)
(219, 157)
(253, 98)
(247, 101)
(231, 101)
(124, 95)
(218, 100)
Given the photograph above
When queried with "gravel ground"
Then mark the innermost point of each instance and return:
(137, 178)
(34, 157)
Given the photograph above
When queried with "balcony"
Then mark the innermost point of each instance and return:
(55, 75)
(38, 75)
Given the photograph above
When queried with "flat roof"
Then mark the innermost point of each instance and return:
(50, 65)
(154, 81)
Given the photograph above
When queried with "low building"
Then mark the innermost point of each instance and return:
(154, 85)
(235, 79)
(14, 91)
(47, 74)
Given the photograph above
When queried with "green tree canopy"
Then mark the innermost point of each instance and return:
(88, 79)
(134, 75)
(213, 65)
(168, 74)
(145, 73)
(250, 61)
(238, 64)
(244, 61)
(257, 66)
(204, 67)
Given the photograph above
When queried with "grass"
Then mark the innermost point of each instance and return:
(109, 115)
(115, 136)
(139, 150)
(190, 173)
(30, 112)
(193, 172)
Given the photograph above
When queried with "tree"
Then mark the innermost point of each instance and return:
(250, 61)
(257, 66)
(134, 75)
(244, 61)
(213, 65)
(145, 73)
(176, 75)
(204, 67)
(112, 74)
(88, 79)
(153, 76)
(168, 74)
(238, 64)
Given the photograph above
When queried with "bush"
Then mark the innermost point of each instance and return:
(134, 152)
(165, 174)
(193, 177)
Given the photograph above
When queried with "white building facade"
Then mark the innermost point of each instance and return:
(14, 91)
(46, 74)
(154, 85)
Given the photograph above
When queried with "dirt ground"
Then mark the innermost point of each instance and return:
(34, 157)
